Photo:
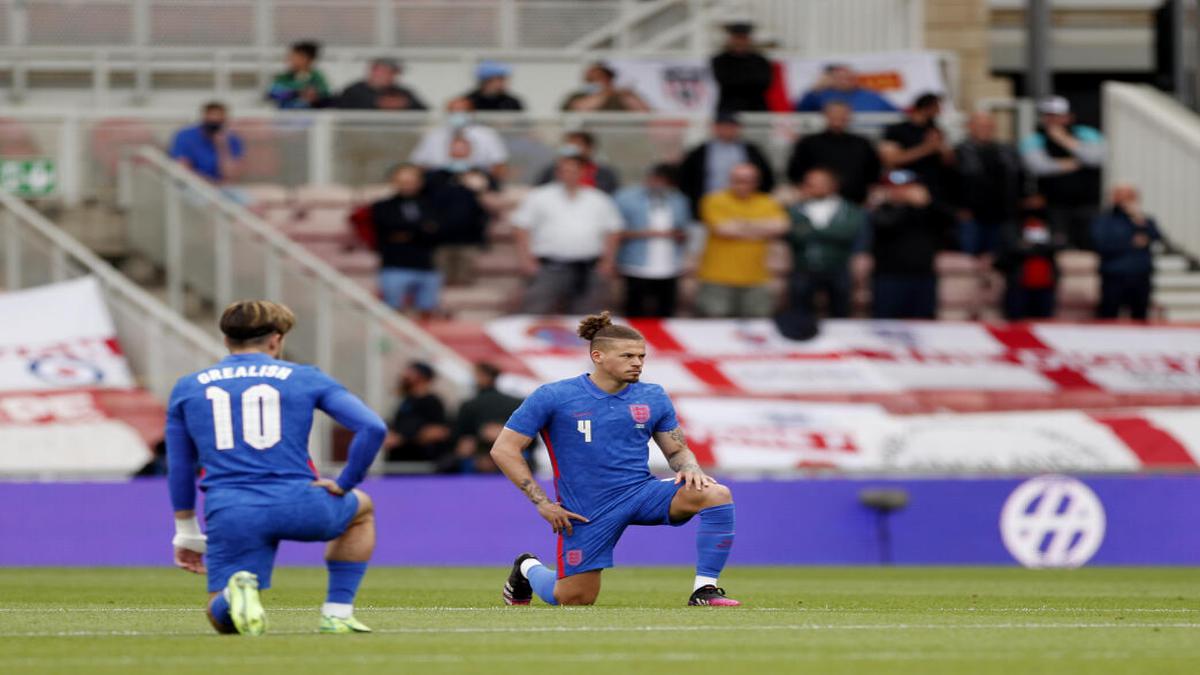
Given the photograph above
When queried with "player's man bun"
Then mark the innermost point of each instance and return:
(600, 327)
(247, 320)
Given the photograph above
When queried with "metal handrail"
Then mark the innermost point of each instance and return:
(456, 367)
(204, 346)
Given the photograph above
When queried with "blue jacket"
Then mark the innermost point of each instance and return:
(1112, 237)
(634, 204)
(859, 100)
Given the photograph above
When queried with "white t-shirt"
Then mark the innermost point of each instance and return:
(487, 147)
(821, 211)
(661, 261)
(567, 228)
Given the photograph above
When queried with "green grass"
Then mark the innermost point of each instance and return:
(802, 620)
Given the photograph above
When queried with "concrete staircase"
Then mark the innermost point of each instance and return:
(1176, 288)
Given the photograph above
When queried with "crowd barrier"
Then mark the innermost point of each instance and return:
(1047, 521)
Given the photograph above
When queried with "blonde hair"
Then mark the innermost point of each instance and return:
(600, 327)
(251, 320)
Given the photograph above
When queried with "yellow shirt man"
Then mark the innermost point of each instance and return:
(737, 260)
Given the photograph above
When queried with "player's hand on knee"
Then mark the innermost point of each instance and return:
(331, 486)
(694, 479)
(187, 559)
(559, 518)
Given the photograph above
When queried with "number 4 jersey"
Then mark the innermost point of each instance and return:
(598, 442)
(246, 421)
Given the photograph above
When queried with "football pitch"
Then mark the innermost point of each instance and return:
(801, 620)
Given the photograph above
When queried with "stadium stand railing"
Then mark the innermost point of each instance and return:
(215, 250)
(357, 147)
(158, 343)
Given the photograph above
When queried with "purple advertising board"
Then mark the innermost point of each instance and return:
(1047, 521)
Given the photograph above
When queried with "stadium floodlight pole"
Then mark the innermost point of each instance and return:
(1037, 49)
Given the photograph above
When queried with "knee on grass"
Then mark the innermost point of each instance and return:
(575, 598)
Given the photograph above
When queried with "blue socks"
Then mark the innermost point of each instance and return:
(714, 540)
(542, 579)
(344, 578)
(219, 608)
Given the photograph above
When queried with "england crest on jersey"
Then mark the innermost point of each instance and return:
(640, 412)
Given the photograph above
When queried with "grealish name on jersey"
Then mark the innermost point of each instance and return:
(230, 373)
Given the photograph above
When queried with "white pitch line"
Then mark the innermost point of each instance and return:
(652, 629)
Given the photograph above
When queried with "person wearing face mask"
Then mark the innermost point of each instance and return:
(1027, 258)
(208, 148)
(582, 144)
(491, 94)
(599, 93)
(463, 198)
(487, 147)
(419, 430)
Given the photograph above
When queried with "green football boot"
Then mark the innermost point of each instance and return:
(244, 604)
(334, 625)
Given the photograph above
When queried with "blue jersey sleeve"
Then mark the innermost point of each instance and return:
(534, 413)
(350, 412)
(182, 456)
(666, 420)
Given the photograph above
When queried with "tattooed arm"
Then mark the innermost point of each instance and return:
(506, 452)
(681, 460)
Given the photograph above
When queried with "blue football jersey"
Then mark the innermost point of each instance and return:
(248, 419)
(598, 442)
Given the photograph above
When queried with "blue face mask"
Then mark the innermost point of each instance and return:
(592, 88)
(458, 166)
(458, 120)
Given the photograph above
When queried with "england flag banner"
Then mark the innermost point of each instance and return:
(60, 336)
(687, 85)
(911, 366)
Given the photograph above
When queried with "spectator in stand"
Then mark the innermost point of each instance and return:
(840, 83)
(653, 244)
(480, 419)
(301, 86)
(907, 229)
(743, 75)
(491, 91)
(826, 229)
(1026, 256)
(1123, 237)
(419, 431)
(919, 146)
(380, 90)
(852, 158)
(600, 93)
(463, 198)
(991, 187)
(487, 146)
(582, 144)
(741, 222)
(403, 229)
(707, 167)
(209, 148)
(1066, 158)
(567, 237)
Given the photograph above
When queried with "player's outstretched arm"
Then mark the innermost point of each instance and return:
(506, 452)
(681, 460)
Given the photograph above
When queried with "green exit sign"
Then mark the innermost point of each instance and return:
(28, 177)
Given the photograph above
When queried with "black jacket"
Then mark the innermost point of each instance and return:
(905, 239)
(852, 157)
(990, 181)
(743, 80)
(694, 170)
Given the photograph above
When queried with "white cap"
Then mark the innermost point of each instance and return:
(1054, 105)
